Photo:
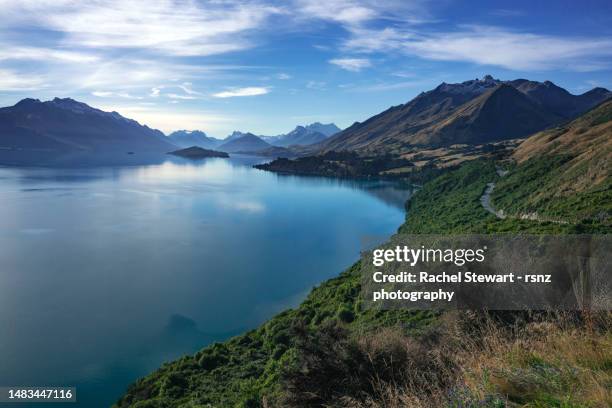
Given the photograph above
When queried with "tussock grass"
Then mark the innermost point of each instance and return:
(559, 363)
(469, 360)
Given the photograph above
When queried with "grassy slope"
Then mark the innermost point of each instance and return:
(245, 369)
(553, 363)
(564, 173)
(451, 204)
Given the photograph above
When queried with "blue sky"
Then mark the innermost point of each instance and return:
(266, 66)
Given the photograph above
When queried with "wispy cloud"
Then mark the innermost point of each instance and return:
(12, 81)
(369, 40)
(248, 91)
(186, 87)
(344, 11)
(179, 96)
(316, 85)
(351, 64)
(86, 47)
(110, 94)
(507, 13)
(487, 45)
(512, 50)
(128, 72)
(283, 76)
(9, 52)
(359, 12)
(174, 27)
(390, 86)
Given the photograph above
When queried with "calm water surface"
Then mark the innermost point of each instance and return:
(107, 271)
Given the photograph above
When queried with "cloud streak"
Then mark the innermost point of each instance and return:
(170, 27)
(110, 94)
(409, 34)
(93, 46)
(517, 51)
(354, 13)
(351, 64)
(11, 81)
(487, 45)
(248, 91)
(178, 96)
(9, 52)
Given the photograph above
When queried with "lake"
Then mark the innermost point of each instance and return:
(109, 267)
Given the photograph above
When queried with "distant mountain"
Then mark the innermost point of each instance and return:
(248, 142)
(65, 124)
(475, 111)
(299, 136)
(188, 138)
(303, 135)
(328, 129)
(235, 135)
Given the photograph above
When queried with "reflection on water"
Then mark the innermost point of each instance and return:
(390, 192)
(110, 268)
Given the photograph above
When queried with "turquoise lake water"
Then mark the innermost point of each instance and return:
(108, 269)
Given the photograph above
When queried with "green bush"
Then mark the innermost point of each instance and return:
(345, 314)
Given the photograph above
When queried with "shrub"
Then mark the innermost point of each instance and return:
(345, 314)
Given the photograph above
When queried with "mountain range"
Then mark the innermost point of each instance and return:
(473, 112)
(304, 135)
(65, 124)
(301, 135)
(244, 143)
(189, 138)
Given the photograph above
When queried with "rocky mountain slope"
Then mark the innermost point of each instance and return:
(476, 111)
(66, 124)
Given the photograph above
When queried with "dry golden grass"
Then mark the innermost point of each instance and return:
(457, 159)
(430, 153)
(400, 170)
(556, 362)
(588, 140)
(546, 364)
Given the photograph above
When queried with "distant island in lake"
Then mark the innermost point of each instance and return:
(195, 152)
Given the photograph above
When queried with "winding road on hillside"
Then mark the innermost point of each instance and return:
(485, 200)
